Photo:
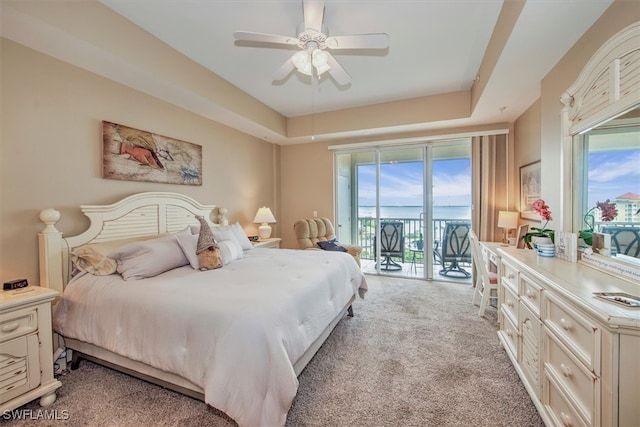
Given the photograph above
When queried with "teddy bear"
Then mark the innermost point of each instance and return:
(207, 250)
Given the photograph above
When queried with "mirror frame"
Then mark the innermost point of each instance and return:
(608, 86)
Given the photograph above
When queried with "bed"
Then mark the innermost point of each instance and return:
(234, 337)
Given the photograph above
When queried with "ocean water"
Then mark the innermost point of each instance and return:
(413, 212)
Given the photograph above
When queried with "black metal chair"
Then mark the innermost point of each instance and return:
(455, 249)
(625, 240)
(391, 245)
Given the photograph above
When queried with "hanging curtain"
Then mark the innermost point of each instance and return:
(490, 184)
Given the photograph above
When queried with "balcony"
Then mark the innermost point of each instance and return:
(412, 231)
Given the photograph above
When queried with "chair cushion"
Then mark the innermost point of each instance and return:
(493, 278)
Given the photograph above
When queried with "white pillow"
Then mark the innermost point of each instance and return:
(149, 258)
(220, 234)
(230, 250)
(241, 236)
(189, 244)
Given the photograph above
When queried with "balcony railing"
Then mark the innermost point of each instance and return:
(412, 231)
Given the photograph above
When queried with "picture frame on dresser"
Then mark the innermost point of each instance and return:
(530, 190)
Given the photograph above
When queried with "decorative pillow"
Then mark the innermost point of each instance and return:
(241, 236)
(149, 258)
(105, 248)
(230, 250)
(86, 258)
(332, 245)
(189, 244)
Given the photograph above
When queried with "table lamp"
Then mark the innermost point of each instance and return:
(264, 217)
(508, 221)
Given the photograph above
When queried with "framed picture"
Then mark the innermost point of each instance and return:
(136, 155)
(529, 190)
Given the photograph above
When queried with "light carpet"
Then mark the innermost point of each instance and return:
(415, 354)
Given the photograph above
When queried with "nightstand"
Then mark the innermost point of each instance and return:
(26, 346)
(273, 242)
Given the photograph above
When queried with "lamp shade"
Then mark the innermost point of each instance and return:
(264, 216)
(508, 220)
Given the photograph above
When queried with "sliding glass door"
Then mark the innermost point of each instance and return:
(393, 203)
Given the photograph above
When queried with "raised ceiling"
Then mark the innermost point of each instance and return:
(436, 48)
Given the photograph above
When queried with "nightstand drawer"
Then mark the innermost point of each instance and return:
(19, 367)
(18, 323)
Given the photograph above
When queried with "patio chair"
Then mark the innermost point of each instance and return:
(455, 249)
(624, 240)
(391, 245)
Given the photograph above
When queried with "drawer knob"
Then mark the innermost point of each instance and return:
(510, 302)
(566, 371)
(566, 325)
(566, 419)
(531, 294)
(510, 275)
(10, 327)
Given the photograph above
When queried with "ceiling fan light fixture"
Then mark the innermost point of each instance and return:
(319, 59)
(301, 62)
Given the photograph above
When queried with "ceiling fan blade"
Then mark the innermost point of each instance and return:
(338, 73)
(359, 41)
(313, 12)
(265, 38)
(284, 70)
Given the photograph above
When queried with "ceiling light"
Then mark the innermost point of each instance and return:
(301, 62)
(319, 60)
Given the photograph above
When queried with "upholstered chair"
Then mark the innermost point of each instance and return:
(313, 230)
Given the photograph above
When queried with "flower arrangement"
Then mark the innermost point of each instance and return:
(608, 212)
(545, 213)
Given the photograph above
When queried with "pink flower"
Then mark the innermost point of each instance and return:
(543, 209)
(608, 210)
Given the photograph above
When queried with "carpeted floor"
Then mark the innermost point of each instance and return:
(415, 354)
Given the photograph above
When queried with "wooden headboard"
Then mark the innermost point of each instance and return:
(139, 215)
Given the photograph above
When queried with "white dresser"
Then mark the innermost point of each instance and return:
(577, 355)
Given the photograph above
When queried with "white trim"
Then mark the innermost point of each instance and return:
(417, 140)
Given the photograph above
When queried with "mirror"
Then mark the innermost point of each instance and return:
(607, 166)
(601, 137)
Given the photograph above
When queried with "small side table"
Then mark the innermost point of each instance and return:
(26, 342)
(417, 255)
(273, 242)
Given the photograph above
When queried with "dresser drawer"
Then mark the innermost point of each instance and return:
(18, 323)
(510, 304)
(510, 276)
(571, 376)
(559, 408)
(530, 328)
(579, 334)
(509, 334)
(530, 294)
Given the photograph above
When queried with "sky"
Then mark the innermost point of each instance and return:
(611, 173)
(401, 183)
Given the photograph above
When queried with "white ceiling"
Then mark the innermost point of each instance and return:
(436, 47)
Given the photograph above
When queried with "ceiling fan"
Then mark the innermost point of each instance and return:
(313, 59)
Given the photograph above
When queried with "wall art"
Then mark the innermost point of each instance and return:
(135, 155)
(529, 190)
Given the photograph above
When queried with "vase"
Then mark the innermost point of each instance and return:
(538, 240)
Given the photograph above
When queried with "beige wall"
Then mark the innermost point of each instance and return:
(527, 147)
(51, 153)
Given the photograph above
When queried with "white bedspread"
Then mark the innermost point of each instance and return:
(236, 331)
